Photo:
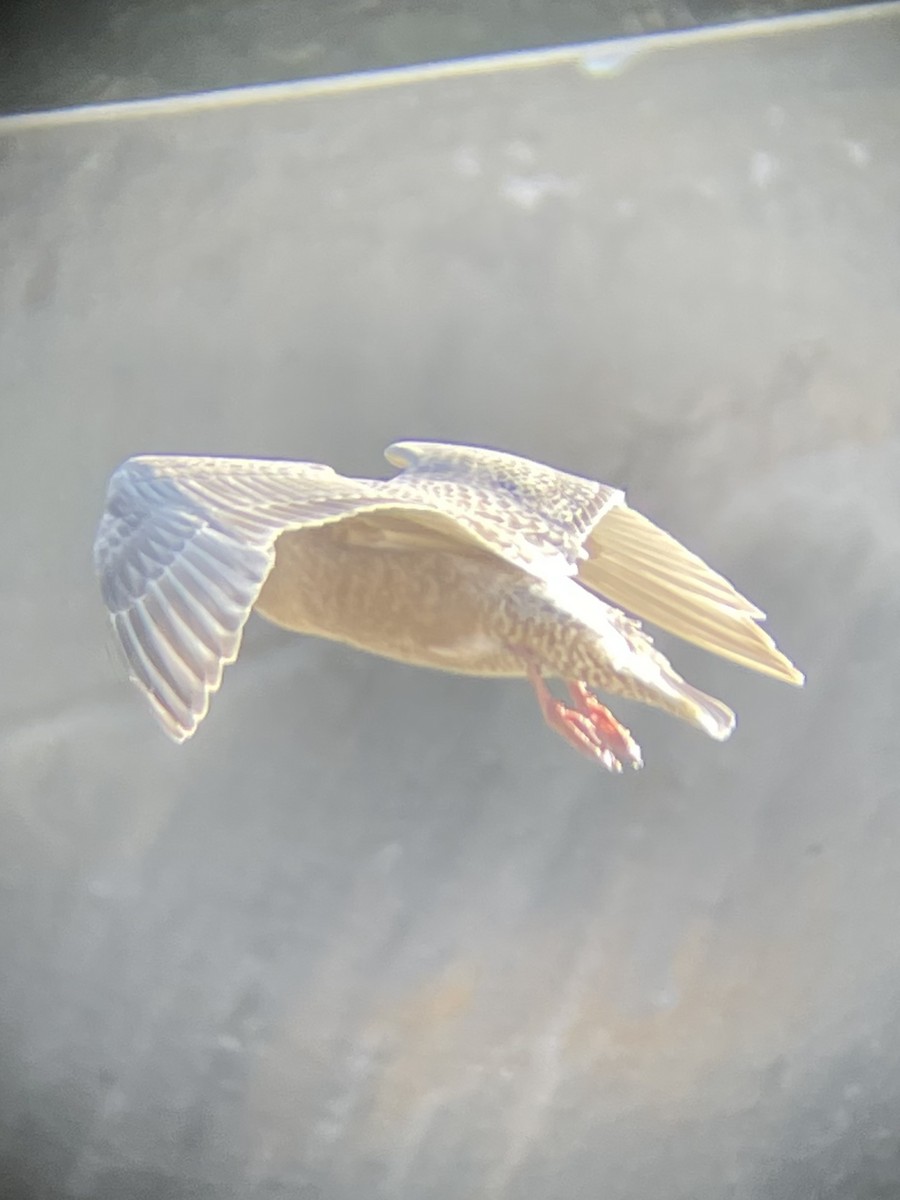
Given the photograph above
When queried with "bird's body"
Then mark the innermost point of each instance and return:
(469, 561)
(332, 582)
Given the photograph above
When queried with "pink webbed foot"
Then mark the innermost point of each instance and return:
(590, 727)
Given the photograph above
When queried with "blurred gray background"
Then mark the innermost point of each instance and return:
(376, 932)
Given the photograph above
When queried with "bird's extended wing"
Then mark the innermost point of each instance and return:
(183, 548)
(636, 565)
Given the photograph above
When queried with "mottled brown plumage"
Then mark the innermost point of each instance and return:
(468, 560)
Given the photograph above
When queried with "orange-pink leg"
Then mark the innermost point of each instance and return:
(590, 727)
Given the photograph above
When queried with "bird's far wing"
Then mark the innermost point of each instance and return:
(531, 515)
(636, 565)
(182, 551)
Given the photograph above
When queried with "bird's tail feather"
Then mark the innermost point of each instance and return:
(707, 713)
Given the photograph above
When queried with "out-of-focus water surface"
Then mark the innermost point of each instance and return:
(53, 55)
(376, 932)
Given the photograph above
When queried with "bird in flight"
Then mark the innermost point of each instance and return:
(468, 560)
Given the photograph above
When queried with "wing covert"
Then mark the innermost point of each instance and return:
(532, 515)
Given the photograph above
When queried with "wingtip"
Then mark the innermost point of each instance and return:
(770, 661)
(793, 676)
(175, 730)
(180, 736)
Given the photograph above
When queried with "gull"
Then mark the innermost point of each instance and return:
(468, 560)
